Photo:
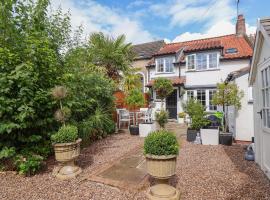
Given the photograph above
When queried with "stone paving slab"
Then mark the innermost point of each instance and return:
(127, 172)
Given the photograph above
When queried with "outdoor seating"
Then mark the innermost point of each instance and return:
(123, 117)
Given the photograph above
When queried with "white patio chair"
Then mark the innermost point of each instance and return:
(124, 117)
(145, 114)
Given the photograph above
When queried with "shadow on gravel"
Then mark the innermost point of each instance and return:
(254, 184)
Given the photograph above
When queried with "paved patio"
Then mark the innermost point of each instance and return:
(203, 172)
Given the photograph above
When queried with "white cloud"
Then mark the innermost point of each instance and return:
(96, 17)
(218, 29)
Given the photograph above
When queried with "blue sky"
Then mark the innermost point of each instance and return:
(172, 20)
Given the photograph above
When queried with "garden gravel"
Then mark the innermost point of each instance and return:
(203, 172)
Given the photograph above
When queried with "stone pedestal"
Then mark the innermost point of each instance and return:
(68, 171)
(163, 192)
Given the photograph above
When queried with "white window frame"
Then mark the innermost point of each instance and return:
(265, 105)
(164, 65)
(207, 97)
(207, 61)
(187, 58)
(209, 101)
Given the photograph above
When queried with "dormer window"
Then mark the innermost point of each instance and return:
(164, 65)
(202, 61)
(231, 50)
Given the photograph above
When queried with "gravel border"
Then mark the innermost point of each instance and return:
(203, 172)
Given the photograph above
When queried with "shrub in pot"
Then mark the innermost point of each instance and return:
(196, 112)
(181, 117)
(162, 118)
(134, 99)
(228, 94)
(66, 146)
(161, 149)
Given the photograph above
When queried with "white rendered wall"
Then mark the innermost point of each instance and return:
(244, 124)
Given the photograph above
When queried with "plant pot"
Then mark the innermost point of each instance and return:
(146, 128)
(191, 135)
(181, 120)
(161, 167)
(226, 138)
(210, 136)
(134, 130)
(65, 154)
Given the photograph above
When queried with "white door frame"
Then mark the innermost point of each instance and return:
(264, 130)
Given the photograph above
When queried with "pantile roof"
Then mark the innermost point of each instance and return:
(176, 80)
(244, 50)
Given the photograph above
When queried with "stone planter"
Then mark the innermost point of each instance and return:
(181, 120)
(65, 154)
(210, 136)
(146, 128)
(161, 167)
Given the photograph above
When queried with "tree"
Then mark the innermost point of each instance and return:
(112, 54)
(163, 88)
(31, 63)
(228, 94)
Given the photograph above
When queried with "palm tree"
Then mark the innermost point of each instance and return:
(115, 55)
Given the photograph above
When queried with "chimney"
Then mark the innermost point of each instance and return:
(240, 25)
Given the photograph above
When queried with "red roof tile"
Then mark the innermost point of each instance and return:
(244, 50)
(175, 81)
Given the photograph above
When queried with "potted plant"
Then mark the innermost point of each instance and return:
(181, 117)
(162, 118)
(228, 94)
(66, 146)
(163, 88)
(161, 149)
(65, 142)
(195, 110)
(134, 99)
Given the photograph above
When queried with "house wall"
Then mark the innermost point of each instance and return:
(140, 64)
(200, 79)
(212, 77)
(244, 126)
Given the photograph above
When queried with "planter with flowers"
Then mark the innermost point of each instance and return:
(181, 117)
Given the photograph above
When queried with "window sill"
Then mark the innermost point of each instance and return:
(165, 72)
(204, 70)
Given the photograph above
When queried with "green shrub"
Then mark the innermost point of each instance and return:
(65, 134)
(162, 118)
(28, 164)
(197, 113)
(134, 98)
(182, 114)
(161, 143)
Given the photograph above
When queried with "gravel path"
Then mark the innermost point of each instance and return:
(203, 172)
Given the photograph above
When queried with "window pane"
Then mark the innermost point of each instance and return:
(268, 117)
(201, 61)
(190, 94)
(263, 95)
(169, 65)
(160, 67)
(191, 61)
(211, 94)
(262, 78)
(267, 97)
(264, 117)
(201, 97)
(213, 60)
(266, 77)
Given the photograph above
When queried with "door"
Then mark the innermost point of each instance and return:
(171, 105)
(264, 113)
